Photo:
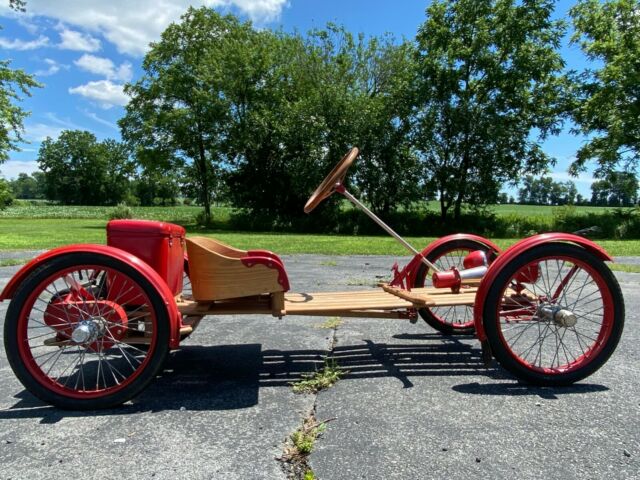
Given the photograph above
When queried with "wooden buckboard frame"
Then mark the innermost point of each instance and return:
(385, 302)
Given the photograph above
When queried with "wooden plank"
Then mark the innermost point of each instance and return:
(412, 296)
(375, 303)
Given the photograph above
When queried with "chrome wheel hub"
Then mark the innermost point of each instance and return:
(86, 331)
(558, 315)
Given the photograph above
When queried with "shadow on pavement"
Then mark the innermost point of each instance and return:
(514, 389)
(229, 377)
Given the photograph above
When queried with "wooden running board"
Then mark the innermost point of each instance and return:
(385, 302)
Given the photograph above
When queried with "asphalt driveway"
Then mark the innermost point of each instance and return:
(414, 404)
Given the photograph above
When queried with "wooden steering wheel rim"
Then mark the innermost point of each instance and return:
(327, 187)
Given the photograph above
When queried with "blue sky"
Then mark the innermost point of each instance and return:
(83, 51)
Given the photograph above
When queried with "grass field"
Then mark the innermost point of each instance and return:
(187, 214)
(32, 234)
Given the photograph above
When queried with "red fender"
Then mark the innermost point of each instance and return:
(142, 267)
(412, 266)
(515, 250)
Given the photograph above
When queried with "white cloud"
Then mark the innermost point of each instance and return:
(53, 68)
(17, 44)
(100, 120)
(12, 168)
(37, 132)
(106, 93)
(104, 66)
(74, 40)
(131, 25)
(63, 122)
(581, 178)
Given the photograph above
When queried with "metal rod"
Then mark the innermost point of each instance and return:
(343, 191)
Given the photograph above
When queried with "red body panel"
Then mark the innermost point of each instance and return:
(412, 266)
(515, 250)
(149, 273)
(159, 244)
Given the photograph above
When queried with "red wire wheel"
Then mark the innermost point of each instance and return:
(86, 331)
(454, 320)
(559, 324)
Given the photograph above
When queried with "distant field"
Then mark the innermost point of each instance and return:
(181, 214)
(35, 234)
(186, 214)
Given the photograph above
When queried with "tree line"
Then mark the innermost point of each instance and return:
(225, 111)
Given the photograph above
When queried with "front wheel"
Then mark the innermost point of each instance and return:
(554, 314)
(86, 331)
(454, 320)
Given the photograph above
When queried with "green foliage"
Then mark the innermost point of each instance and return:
(152, 187)
(544, 191)
(607, 100)
(305, 438)
(330, 323)
(489, 79)
(18, 5)
(79, 170)
(617, 189)
(6, 197)
(29, 186)
(120, 212)
(319, 380)
(178, 116)
(14, 86)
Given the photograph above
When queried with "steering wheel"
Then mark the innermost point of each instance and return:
(328, 185)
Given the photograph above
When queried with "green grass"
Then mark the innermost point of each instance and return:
(622, 267)
(34, 227)
(37, 234)
(10, 262)
(186, 214)
(319, 380)
(330, 323)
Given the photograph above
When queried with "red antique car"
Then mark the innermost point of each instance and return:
(89, 326)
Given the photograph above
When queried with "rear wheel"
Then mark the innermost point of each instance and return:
(86, 331)
(455, 319)
(554, 314)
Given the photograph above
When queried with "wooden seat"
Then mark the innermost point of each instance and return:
(219, 271)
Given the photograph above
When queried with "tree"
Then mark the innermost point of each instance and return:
(79, 170)
(489, 79)
(607, 96)
(6, 198)
(618, 189)
(155, 188)
(544, 191)
(18, 5)
(179, 113)
(323, 94)
(14, 86)
(25, 186)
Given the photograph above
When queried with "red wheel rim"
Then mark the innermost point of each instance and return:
(78, 369)
(459, 316)
(548, 344)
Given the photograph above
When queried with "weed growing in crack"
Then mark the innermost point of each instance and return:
(319, 380)
(331, 322)
(304, 439)
(299, 445)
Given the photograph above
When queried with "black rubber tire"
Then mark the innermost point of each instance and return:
(494, 296)
(137, 385)
(427, 314)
